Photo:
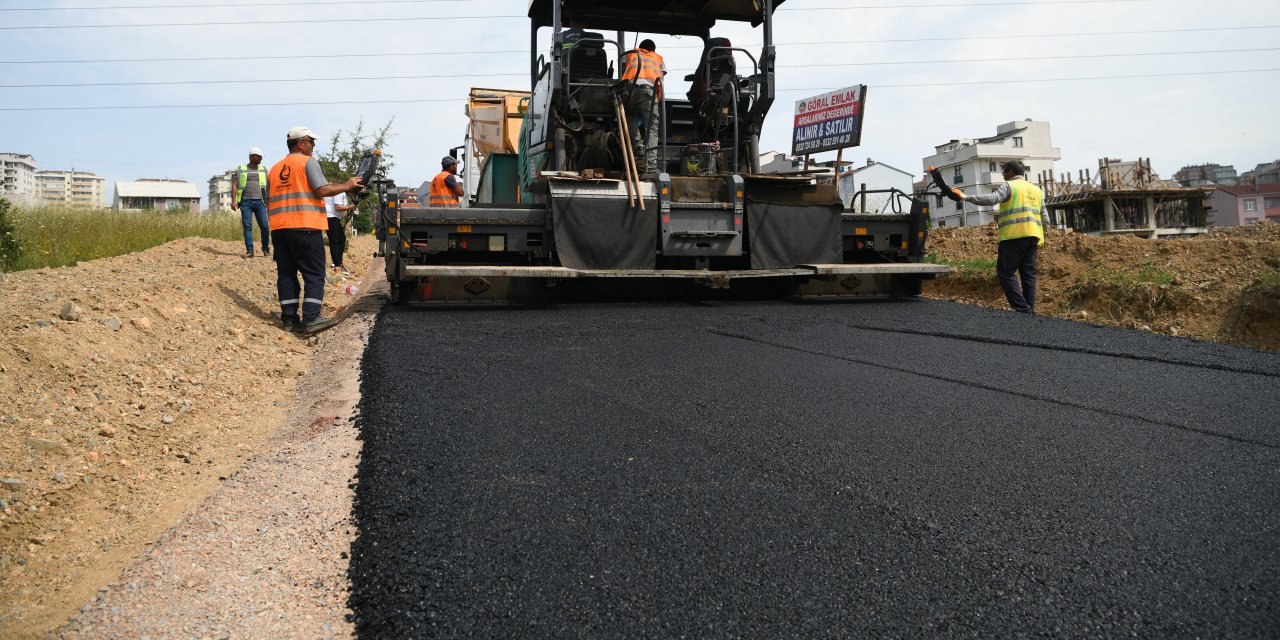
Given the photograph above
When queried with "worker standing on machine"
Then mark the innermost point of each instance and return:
(644, 69)
(446, 188)
(1021, 220)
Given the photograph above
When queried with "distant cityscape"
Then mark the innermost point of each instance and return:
(1123, 196)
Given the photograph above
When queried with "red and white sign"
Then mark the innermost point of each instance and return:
(829, 121)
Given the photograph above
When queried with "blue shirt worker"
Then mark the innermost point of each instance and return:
(248, 194)
(1022, 220)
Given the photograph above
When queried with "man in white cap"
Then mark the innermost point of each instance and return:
(298, 222)
(248, 191)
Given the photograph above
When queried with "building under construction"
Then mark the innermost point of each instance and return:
(1125, 198)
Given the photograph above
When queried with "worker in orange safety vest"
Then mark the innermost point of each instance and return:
(297, 189)
(446, 188)
(644, 68)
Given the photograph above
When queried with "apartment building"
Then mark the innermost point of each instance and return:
(1245, 204)
(1206, 175)
(71, 188)
(220, 191)
(973, 166)
(18, 178)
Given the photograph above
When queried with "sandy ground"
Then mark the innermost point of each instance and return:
(1219, 287)
(134, 388)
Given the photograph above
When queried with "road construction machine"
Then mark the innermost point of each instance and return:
(556, 199)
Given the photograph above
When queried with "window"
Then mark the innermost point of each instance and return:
(1272, 203)
(991, 166)
(959, 205)
(1251, 205)
(958, 178)
(942, 223)
(1017, 141)
(1251, 221)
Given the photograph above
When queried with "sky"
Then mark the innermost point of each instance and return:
(934, 73)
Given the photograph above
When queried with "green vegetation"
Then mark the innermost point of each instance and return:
(1148, 274)
(1269, 280)
(57, 237)
(10, 250)
(342, 160)
(967, 269)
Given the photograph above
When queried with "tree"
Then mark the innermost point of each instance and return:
(342, 160)
(9, 248)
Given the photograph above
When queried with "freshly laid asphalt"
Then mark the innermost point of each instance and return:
(774, 469)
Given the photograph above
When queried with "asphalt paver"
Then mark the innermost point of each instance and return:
(773, 469)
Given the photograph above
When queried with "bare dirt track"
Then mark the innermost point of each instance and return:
(1224, 286)
(164, 376)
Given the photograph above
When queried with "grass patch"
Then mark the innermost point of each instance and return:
(967, 269)
(1270, 279)
(59, 237)
(1148, 274)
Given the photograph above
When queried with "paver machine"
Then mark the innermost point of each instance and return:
(555, 200)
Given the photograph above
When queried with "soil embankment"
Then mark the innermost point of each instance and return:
(1224, 286)
(131, 388)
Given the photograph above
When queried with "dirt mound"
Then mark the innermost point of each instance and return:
(129, 388)
(1224, 286)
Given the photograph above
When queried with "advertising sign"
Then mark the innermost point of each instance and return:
(829, 121)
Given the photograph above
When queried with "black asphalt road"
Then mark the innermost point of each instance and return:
(773, 469)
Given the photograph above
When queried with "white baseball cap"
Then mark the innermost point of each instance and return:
(298, 133)
(255, 152)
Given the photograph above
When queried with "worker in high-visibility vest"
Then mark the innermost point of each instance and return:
(298, 222)
(446, 188)
(1021, 219)
(644, 68)
(248, 194)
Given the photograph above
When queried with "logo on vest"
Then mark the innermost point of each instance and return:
(285, 173)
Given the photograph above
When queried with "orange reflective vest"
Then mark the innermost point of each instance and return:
(293, 203)
(644, 67)
(440, 194)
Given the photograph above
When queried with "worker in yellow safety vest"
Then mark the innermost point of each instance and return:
(1022, 220)
(644, 68)
(297, 189)
(248, 194)
(446, 188)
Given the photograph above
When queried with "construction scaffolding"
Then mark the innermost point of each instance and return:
(1125, 198)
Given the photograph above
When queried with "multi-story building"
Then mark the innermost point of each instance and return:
(71, 188)
(157, 194)
(1205, 175)
(18, 178)
(220, 191)
(973, 166)
(1265, 173)
(1245, 204)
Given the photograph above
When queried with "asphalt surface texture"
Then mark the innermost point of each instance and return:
(778, 469)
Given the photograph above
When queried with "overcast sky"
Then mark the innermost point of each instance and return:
(1229, 118)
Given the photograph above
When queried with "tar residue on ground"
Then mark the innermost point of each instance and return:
(800, 470)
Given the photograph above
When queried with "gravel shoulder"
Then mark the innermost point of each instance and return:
(172, 399)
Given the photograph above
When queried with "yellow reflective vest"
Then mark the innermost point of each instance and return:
(1022, 215)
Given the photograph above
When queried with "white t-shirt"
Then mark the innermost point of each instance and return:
(331, 204)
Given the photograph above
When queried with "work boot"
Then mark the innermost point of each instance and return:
(318, 325)
(266, 251)
(291, 325)
(248, 254)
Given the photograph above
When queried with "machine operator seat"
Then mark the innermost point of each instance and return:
(721, 65)
(585, 56)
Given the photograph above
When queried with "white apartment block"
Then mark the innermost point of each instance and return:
(973, 166)
(220, 191)
(71, 188)
(18, 178)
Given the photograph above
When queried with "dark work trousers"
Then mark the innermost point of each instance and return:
(337, 240)
(1017, 257)
(299, 251)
